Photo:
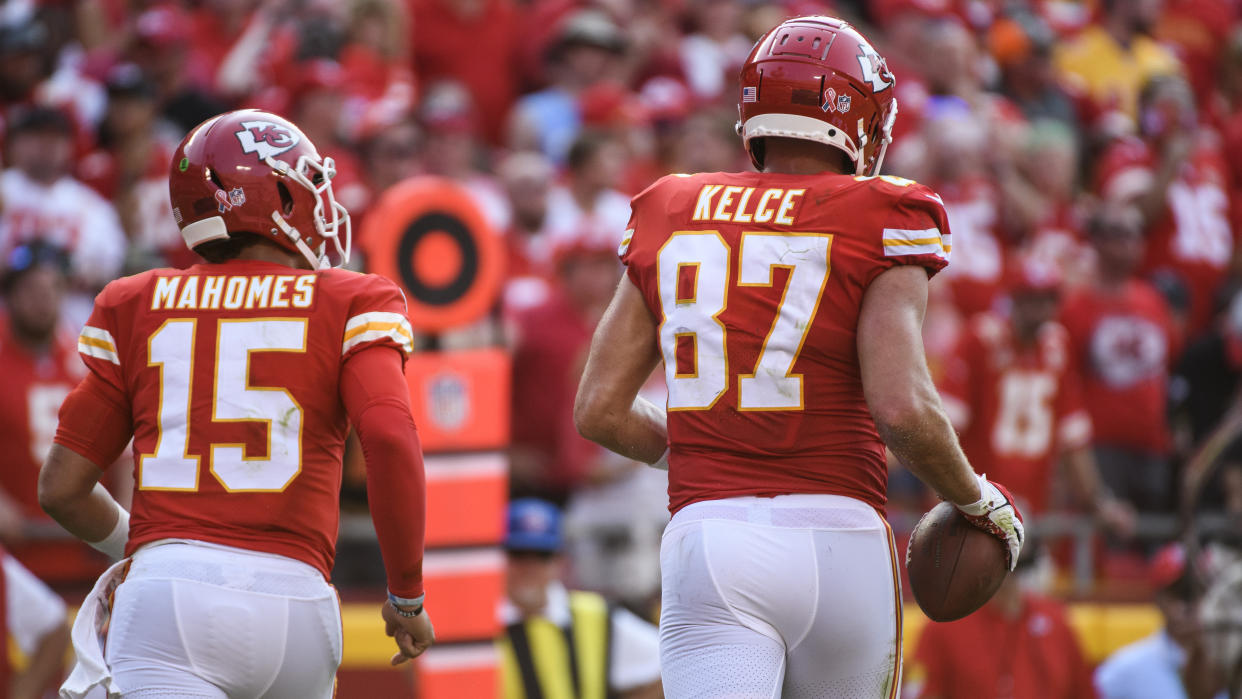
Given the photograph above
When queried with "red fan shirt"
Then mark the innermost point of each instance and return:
(986, 655)
(1017, 408)
(1123, 342)
(1193, 237)
(231, 374)
(30, 395)
(756, 281)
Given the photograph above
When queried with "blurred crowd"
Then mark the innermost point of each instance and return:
(1087, 335)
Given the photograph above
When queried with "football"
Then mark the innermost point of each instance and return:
(954, 567)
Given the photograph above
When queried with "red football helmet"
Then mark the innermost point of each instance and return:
(817, 78)
(252, 171)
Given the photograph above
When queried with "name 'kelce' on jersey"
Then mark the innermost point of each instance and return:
(214, 292)
(775, 205)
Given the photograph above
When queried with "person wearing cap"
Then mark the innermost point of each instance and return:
(41, 367)
(1015, 396)
(1171, 663)
(1123, 339)
(559, 642)
(1019, 645)
(43, 201)
(551, 337)
(585, 53)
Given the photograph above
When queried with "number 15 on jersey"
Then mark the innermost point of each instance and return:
(694, 286)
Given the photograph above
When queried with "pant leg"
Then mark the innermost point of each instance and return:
(707, 649)
(852, 649)
(262, 627)
(146, 651)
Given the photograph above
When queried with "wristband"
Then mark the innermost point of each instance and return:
(662, 462)
(114, 543)
(399, 602)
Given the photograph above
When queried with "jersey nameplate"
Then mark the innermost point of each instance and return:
(718, 202)
(216, 292)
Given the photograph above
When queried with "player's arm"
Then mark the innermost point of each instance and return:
(373, 390)
(624, 352)
(907, 409)
(94, 428)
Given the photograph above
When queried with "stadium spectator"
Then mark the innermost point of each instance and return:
(451, 148)
(1176, 176)
(1170, 664)
(34, 617)
(1050, 217)
(527, 180)
(589, 205)
(1205, 379)
(43, 201)
(1122, 339)
(1111, 60)
(41, 366)
(559, 642)
(1022, 46)
(548, 457)
(1015, 396)
(473, 42)
(129, 167)
(161, 46)
(586, 52)
(713, 53)
(1019, 645)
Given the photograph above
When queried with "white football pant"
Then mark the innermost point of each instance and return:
(215, 622)
(791, 597)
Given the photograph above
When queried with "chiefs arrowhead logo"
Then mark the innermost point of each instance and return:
(266, 139)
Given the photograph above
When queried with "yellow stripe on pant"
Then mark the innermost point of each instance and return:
(538, 660)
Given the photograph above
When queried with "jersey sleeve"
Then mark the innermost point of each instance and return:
(377, 317)
(638, 246)
(916, 231)
(97, 343)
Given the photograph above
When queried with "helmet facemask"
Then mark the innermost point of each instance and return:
(337, 227)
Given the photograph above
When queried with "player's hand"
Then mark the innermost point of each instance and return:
(995, 513)
(413, 634)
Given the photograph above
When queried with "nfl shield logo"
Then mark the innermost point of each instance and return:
(237, 197)
(843, 103)
(750, 94)
(448, 401)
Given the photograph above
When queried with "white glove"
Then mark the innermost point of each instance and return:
(996, 514)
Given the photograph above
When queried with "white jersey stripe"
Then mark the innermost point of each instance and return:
(377, 325)
(98, 352)
(98, 343)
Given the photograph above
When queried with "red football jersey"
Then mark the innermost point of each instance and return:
(231, 373)
(757, 280)
(1123, 344)
(30, 395)
(1194, 236)
(1016, 408)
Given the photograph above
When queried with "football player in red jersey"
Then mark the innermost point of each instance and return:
(238, 380)
(787, 308)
